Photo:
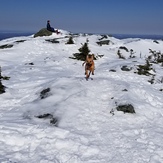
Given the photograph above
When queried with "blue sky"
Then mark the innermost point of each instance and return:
(85, 16)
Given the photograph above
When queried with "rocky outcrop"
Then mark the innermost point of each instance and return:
(2, 87)
(43, 32)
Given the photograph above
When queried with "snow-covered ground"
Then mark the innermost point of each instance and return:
(89, 129)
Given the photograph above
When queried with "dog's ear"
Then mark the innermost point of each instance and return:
(93, 56)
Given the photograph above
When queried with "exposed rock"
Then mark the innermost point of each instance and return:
(112, 70)
(2, 87)
(31, 63)
(125, 68)
(104, 42)
(43, 32)
(52, 40)
(53, 120)
(6, 46)
(126, 108)
(45, 116)
(45, 93)
(19, 41)
(124, 48)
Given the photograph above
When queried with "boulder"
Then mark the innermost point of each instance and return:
(43, 32)
(126, 108)
(104, 42)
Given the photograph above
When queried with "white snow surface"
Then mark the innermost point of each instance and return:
(89, 128)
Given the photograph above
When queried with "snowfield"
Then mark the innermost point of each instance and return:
(89, 129)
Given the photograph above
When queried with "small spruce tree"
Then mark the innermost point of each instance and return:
(84, 49)
(70, 41)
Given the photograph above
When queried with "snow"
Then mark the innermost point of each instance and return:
(89, 128)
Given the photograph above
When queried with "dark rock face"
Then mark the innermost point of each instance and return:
(2, 87)
(104, 42)
(53, 120)
(125, 68)
(126, 108)
(52, 41)
(6, 46)
(43, 32)
(45, 93)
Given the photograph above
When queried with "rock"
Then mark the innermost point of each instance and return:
(112, 70)
(52, 40)
(45, 93)
(43, 32)
(125, 68)
(53, 120)
(104, 42)
(2, 87)
(6, 46)
(45, 116)
(126, 108)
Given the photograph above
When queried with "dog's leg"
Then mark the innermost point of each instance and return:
(89, 74)
(85, 69)
(86, 73)
(93, 72)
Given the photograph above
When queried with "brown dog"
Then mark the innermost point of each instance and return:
(89, 65)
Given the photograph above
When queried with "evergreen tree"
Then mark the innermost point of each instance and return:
(84, 49)
(70, 41)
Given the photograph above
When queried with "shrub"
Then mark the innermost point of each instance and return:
(70, 40)
(144, 69)
(84, 49)
(155, 57)
(131, 54)
(78, 56)
(120, 54)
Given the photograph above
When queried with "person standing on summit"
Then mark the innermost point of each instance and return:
(49, 28)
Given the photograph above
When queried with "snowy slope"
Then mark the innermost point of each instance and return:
(89, 129)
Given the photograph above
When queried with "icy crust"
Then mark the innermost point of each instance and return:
(86, 130)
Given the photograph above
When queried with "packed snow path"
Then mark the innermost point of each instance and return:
(87, 131)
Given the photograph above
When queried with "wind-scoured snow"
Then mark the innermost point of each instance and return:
(89, 128)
